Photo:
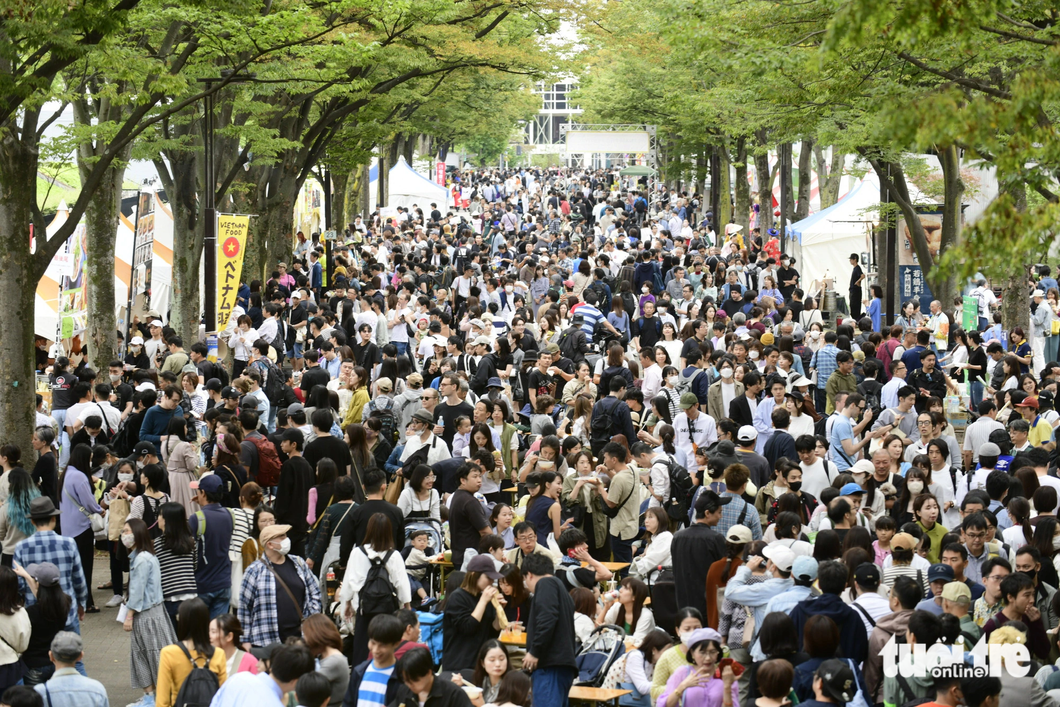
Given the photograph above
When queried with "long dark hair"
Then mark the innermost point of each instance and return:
(640, 594)
(142, 541)
(10, 597)
(54, 603)
(1044, 530)
(478, 678)
(81, 460)
(176, 538)
(514, 688)
(359, 444)
(193, 623)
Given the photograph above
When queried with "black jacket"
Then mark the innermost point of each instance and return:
(694, 550)
(550, 629)
(781, 444)
(393, 685)
(740, 411)
(462, 634)
(444, 693)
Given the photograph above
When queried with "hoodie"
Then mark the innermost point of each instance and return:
(853, 643)
(891, 625)
(643, 272)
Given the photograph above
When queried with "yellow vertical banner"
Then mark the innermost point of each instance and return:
(231, 242)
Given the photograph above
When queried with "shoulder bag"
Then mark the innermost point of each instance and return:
(94, 519)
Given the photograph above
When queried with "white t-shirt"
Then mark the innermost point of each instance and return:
(112, 414)
(398, 332)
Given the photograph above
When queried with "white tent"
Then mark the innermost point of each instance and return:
(824, 241)
(406, 187)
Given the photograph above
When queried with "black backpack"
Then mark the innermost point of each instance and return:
(600, 422)
(274, 384)
(569, 346)
(378, 595)
(386, 418)
(680, 490)
(199, 688)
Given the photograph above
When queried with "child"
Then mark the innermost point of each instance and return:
(885, 529)
(313, 690)
(418, 558)
(544, 407)
(463, 435)
(411, 638)
(384, 636)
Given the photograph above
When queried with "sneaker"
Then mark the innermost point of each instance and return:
(145, 701)
(115, 601)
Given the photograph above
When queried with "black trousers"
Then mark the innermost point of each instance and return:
(86, 546)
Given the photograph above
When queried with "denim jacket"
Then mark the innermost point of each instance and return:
(145, 582)
(68, 688)
(755, 596)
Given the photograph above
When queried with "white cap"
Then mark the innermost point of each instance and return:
(156, 323)
(747, 433)
(136, 341)
(781, 556)
(1037, 293)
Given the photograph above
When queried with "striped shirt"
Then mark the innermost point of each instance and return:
(372, 691)
(592, 317)
(178, 573)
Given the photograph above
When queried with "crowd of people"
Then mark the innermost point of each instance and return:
(438, 459)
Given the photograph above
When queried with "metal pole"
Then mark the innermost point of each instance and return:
(209, 214)
(328, 265)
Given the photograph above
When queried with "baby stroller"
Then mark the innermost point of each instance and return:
(606, 644)
(435, 545)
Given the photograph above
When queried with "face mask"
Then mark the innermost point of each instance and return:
(115, 377)
(135, 349)
(815, 335)
(726, 373)
(127, 540)
(685, 635)
(753, 355)
(915, 487)
(1030, 573)
(140, 464)
(794, 486)
(285, 546)
(509, 289)
(125, 477)
(672, 380)
(1056, 542)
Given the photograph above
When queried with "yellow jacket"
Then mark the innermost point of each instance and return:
(356, 408)
(174, 668)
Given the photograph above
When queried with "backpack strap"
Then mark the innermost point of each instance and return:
(268, 566)
(864, 612)
(743, 514)
(192, 660)
(904, 684)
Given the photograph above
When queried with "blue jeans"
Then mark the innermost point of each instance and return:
(402, 347)
(218, 602)
(551, 686)
(976, 394)
(622, 551)
(271, 424)
(74, 626)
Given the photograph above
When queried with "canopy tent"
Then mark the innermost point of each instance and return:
(823, 242)
(637, 171)
(406, 187)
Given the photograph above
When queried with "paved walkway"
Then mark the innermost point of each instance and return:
(106, 643)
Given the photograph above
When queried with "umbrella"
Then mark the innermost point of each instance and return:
(637, 171)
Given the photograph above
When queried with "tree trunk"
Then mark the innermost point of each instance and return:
(101, 233)
(724, 186)
(944, 284)
(1014, 309)
(409, 150)
(381, 183)
(802, 209)
(19, 273)
(339, 180)
(188, 235)
(829, 175)
(765, 182)
(275, 219)
(742, 188)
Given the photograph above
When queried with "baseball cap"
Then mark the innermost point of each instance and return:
(804, 568)
(957, 592)
(143, 449)
(1028, 403)
(136, 341)
(209, 483)
(45, 574)
(214, 384)
(385, 383)
(903, 541)
(710, 501)
(230, 393)
(67, 646)
(747, 433)
(798, 335)
(739, 534)
(265, 652)
(485, 341)
(272, 532)
(867, 574)
(837, 680)
(552, 348)
(295, 407)
(156, 323)
(851, 489)
(781, 556)
(989, 449)
(862, 466)
(939, 572)
(484, 565)
(688, 400)
(296, 295)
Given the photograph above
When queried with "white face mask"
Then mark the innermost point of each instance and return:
(685, 635)
(672, 380)
(285, 546)
(753, 355)
(915, 487)
(726, 373)
(645, 290)
(815, 335)
(127, 540)
(509, 289)
(1056, 542)
(125, 477)
(115, 377)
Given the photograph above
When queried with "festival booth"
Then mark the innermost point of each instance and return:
(406, 187)
(823, 242)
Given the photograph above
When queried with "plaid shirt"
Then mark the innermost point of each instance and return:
(730, 516)
(824, 362)
(49, 546)
(257, 600)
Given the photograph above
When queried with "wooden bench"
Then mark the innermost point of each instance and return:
(596, 695)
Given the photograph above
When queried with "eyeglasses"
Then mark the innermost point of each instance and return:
(711, 653)
(975, 536)
(996, 577)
